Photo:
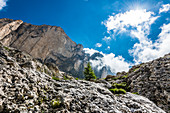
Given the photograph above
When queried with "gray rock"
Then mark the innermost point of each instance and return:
(50, 44)
(152, 80)
(32, 90)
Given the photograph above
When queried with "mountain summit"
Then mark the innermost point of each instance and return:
(48, 44)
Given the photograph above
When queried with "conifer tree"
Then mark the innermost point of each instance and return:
(89, 73)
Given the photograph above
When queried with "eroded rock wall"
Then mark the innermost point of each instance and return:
(48, 43)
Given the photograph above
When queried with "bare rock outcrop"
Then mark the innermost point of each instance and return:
(6, 28)
(26, 85)
(48, 43)
(151, 80)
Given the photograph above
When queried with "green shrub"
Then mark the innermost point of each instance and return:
(55, 78)
(89, 73)
(115, 78)
(135, 93)
(76, 78)
(121, 85)
(118, 91)
(55, 103)
(125, 76)
(6, 48)
(135, 69)
(65, 78)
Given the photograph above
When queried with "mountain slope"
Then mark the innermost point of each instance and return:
(151, 80)
(26, 85)
(48, 43)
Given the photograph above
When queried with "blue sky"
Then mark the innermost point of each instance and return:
(126, 32)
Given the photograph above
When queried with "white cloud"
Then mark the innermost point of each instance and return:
(108, 47)
(116, 64)
(107, 39)
(122, 21)
(143, 52)
(133, 19)
(165, 8)
(90, 51)
(98, 45)
(2, 4)
(137, 23)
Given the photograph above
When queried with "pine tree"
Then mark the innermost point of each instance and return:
(89, 73)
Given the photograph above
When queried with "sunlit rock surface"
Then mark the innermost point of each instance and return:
(47, 43)
(25, 87)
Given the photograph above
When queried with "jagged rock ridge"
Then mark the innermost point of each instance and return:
(25, 87)
(151, 80)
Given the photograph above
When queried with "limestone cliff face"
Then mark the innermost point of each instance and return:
(8, 26)
(48, 43)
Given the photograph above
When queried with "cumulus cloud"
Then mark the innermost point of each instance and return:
(106, 38)
(115, 63)
(98, 45)
(2, 4)
(90, 51)
(138, 20)
(165, 8)
(137, 23)
(143, 52)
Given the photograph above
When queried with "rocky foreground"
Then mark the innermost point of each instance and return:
(151, 80)
(26, 85)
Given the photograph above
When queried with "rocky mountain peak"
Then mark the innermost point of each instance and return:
(49, 44)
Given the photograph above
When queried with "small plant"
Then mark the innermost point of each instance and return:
(77, 79)
(135, 69)
(55, 78)
(55, 103)
(135, 93)
(121, 85)
(115, 78)
(118, 91)
(65, 78)
(6, 48)
(125, 76)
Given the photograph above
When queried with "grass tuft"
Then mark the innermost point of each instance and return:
(118, 91)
